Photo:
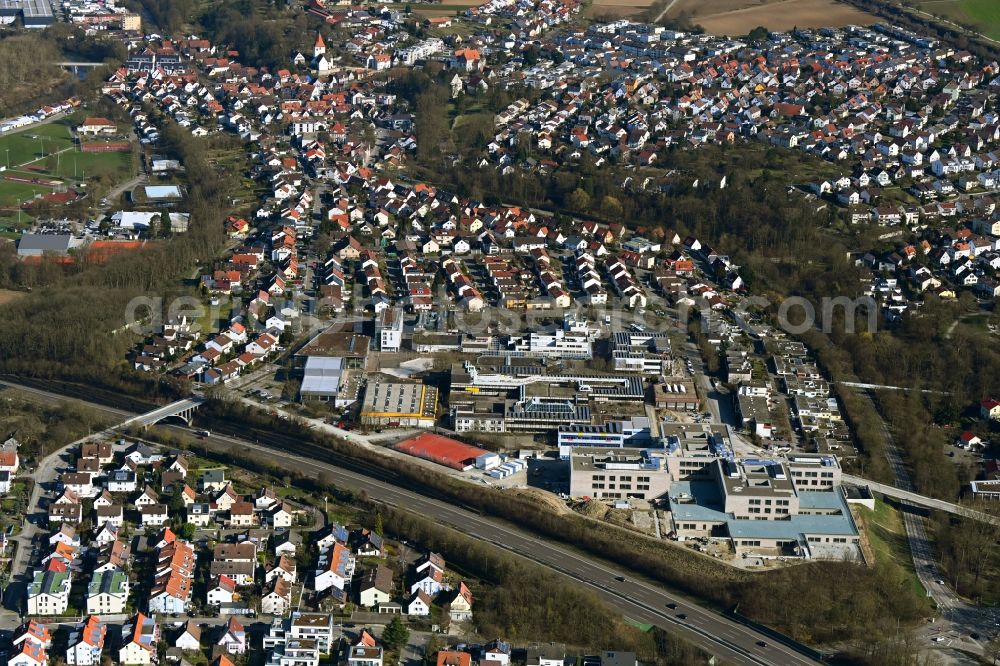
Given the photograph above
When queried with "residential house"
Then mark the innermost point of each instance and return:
(429, 575)
(86, 643)
(154, 515)
(140, 636)
(459, 607)
(376, 587)
(238, 561)
(418, 604)
(221, 591)
(27, 654)
(234, 637)
(284, 568)
(212, 480)
(334, 568)
(278, 598)
(189, 639)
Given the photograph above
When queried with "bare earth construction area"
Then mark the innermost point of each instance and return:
(738, 17)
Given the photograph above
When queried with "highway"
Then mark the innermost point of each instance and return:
(637, 599)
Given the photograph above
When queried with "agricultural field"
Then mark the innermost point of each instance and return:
(983, 16)
(617, 8)
(433, 10)
(738, 17)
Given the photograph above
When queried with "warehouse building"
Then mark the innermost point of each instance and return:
(394, 403)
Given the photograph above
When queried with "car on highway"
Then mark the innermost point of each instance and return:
(202, 433)
(672, 606)
(761, 644)
(620, 579)
(682, 616)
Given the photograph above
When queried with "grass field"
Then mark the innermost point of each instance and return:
(887, 535)
(430, 10)
(12, 193)
(981, 15)
(33, 143)
(738, 17)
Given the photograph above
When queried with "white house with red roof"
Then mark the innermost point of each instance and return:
(97, 127)
(86, 643)
(990, 409)
(139, 638)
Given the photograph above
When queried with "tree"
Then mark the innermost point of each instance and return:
(578, 200)
(379, 529)
(611, 208)
(188, 530)
(176, 503)
(758, 34)
(396, 634)
(992, 650)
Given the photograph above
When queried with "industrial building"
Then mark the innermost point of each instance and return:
(525, 398)
(391, 402)
(326, 379)
(35, 14)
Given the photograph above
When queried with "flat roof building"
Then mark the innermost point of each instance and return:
(326, 379)
(606, 473)
(390, 330)
(390, 402)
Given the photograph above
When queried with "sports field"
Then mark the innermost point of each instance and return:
(42, 159)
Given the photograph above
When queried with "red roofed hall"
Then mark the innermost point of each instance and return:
(442, 450)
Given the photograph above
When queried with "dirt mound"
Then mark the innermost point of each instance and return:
(548, 500)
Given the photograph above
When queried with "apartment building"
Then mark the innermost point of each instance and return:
(173, 580)
(48, 592)
(390, 330)
(107, 593)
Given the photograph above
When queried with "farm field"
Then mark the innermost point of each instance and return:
(738, 17)
(981, 15)
(617, 7)
(430, 10)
